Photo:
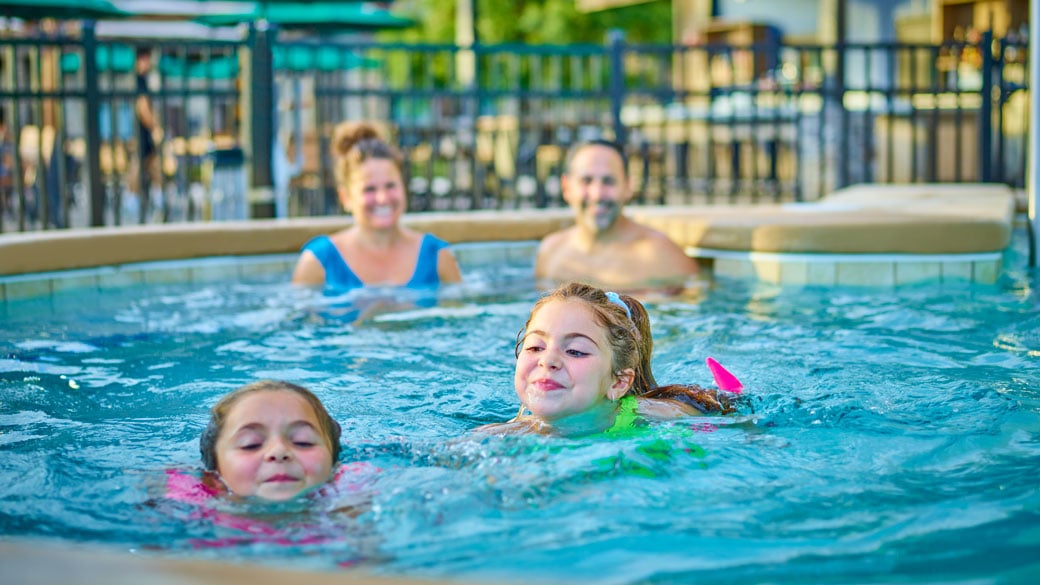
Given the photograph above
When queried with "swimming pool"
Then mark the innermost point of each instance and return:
(894, 437)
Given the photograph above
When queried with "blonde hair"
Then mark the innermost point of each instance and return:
(355, 142)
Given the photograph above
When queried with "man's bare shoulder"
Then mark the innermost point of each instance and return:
(556, 239)
(661, 246)
(553, 249)
(649, 236)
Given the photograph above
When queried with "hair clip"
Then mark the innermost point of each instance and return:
(616, 299)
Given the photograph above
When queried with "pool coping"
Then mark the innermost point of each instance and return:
(865, 235)
(37, 561)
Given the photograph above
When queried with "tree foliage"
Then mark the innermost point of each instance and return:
(554, 22)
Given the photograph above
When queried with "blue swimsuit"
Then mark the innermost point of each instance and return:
(338, 274)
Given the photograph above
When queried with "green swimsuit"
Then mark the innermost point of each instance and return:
(627, 420)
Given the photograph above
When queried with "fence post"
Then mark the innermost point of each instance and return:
(616, 42)
(92, 95)
(986, 109)
(1033, 146)
(261, 90)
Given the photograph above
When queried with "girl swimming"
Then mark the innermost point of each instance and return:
(583, 367)
(270, 439)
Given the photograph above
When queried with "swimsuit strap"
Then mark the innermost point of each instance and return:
(627, 415)
(338, 274)
(425, 274)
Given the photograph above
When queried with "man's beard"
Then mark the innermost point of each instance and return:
(601, 214)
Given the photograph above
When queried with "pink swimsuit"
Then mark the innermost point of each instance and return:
(186, 487)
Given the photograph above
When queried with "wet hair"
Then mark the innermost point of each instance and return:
(644, 379)
(355, 142)
(621, 331)
(644, 384)
(579, 146)
(329, 428)
(633, 347)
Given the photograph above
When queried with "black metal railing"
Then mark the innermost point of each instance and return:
(488, 127)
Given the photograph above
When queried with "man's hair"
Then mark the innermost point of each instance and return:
(612, 145)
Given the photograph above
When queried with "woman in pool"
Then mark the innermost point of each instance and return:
(376, 250)
(580, 371)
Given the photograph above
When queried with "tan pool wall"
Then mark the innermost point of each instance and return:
(863, 235)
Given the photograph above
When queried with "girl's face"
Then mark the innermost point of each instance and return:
(375, 193)
(271, 446)
(564, 367)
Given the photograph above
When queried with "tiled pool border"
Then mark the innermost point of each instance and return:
(784, 269)
(212, 269)
(792, 269)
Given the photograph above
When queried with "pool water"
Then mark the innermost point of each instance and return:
(890, 435)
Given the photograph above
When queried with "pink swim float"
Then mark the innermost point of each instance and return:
(726, 381)
(189, 488)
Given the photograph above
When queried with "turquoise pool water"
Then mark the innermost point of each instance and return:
(891, 435)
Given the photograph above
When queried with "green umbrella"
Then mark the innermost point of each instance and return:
(64, 9)
(118, 58)
(315, 15)
(223, 67)
(324, 58)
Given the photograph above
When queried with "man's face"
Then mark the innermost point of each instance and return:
(595, 187)
(144, 63)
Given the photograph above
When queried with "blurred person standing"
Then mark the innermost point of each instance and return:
(145, 171)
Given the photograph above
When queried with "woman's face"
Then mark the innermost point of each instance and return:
(271, 446)
(375, 193)
(565, 362)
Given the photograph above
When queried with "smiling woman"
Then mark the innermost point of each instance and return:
(376, 250)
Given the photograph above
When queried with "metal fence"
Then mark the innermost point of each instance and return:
(488, 127)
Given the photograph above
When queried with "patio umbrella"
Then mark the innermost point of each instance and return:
(118, 58)
(63, 9)
(303, 58)
(223, 67)
(314, 15)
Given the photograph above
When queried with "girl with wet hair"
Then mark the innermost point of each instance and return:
(581, 368)
(266, 443)
(270, 439)
(376, 250)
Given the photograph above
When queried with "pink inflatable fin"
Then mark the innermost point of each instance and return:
(725, 380)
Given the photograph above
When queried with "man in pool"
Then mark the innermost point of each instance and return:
(603, 247)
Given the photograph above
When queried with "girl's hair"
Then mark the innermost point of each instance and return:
(621, 331)
(329, 428)
(644, 380)
(355, 142)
